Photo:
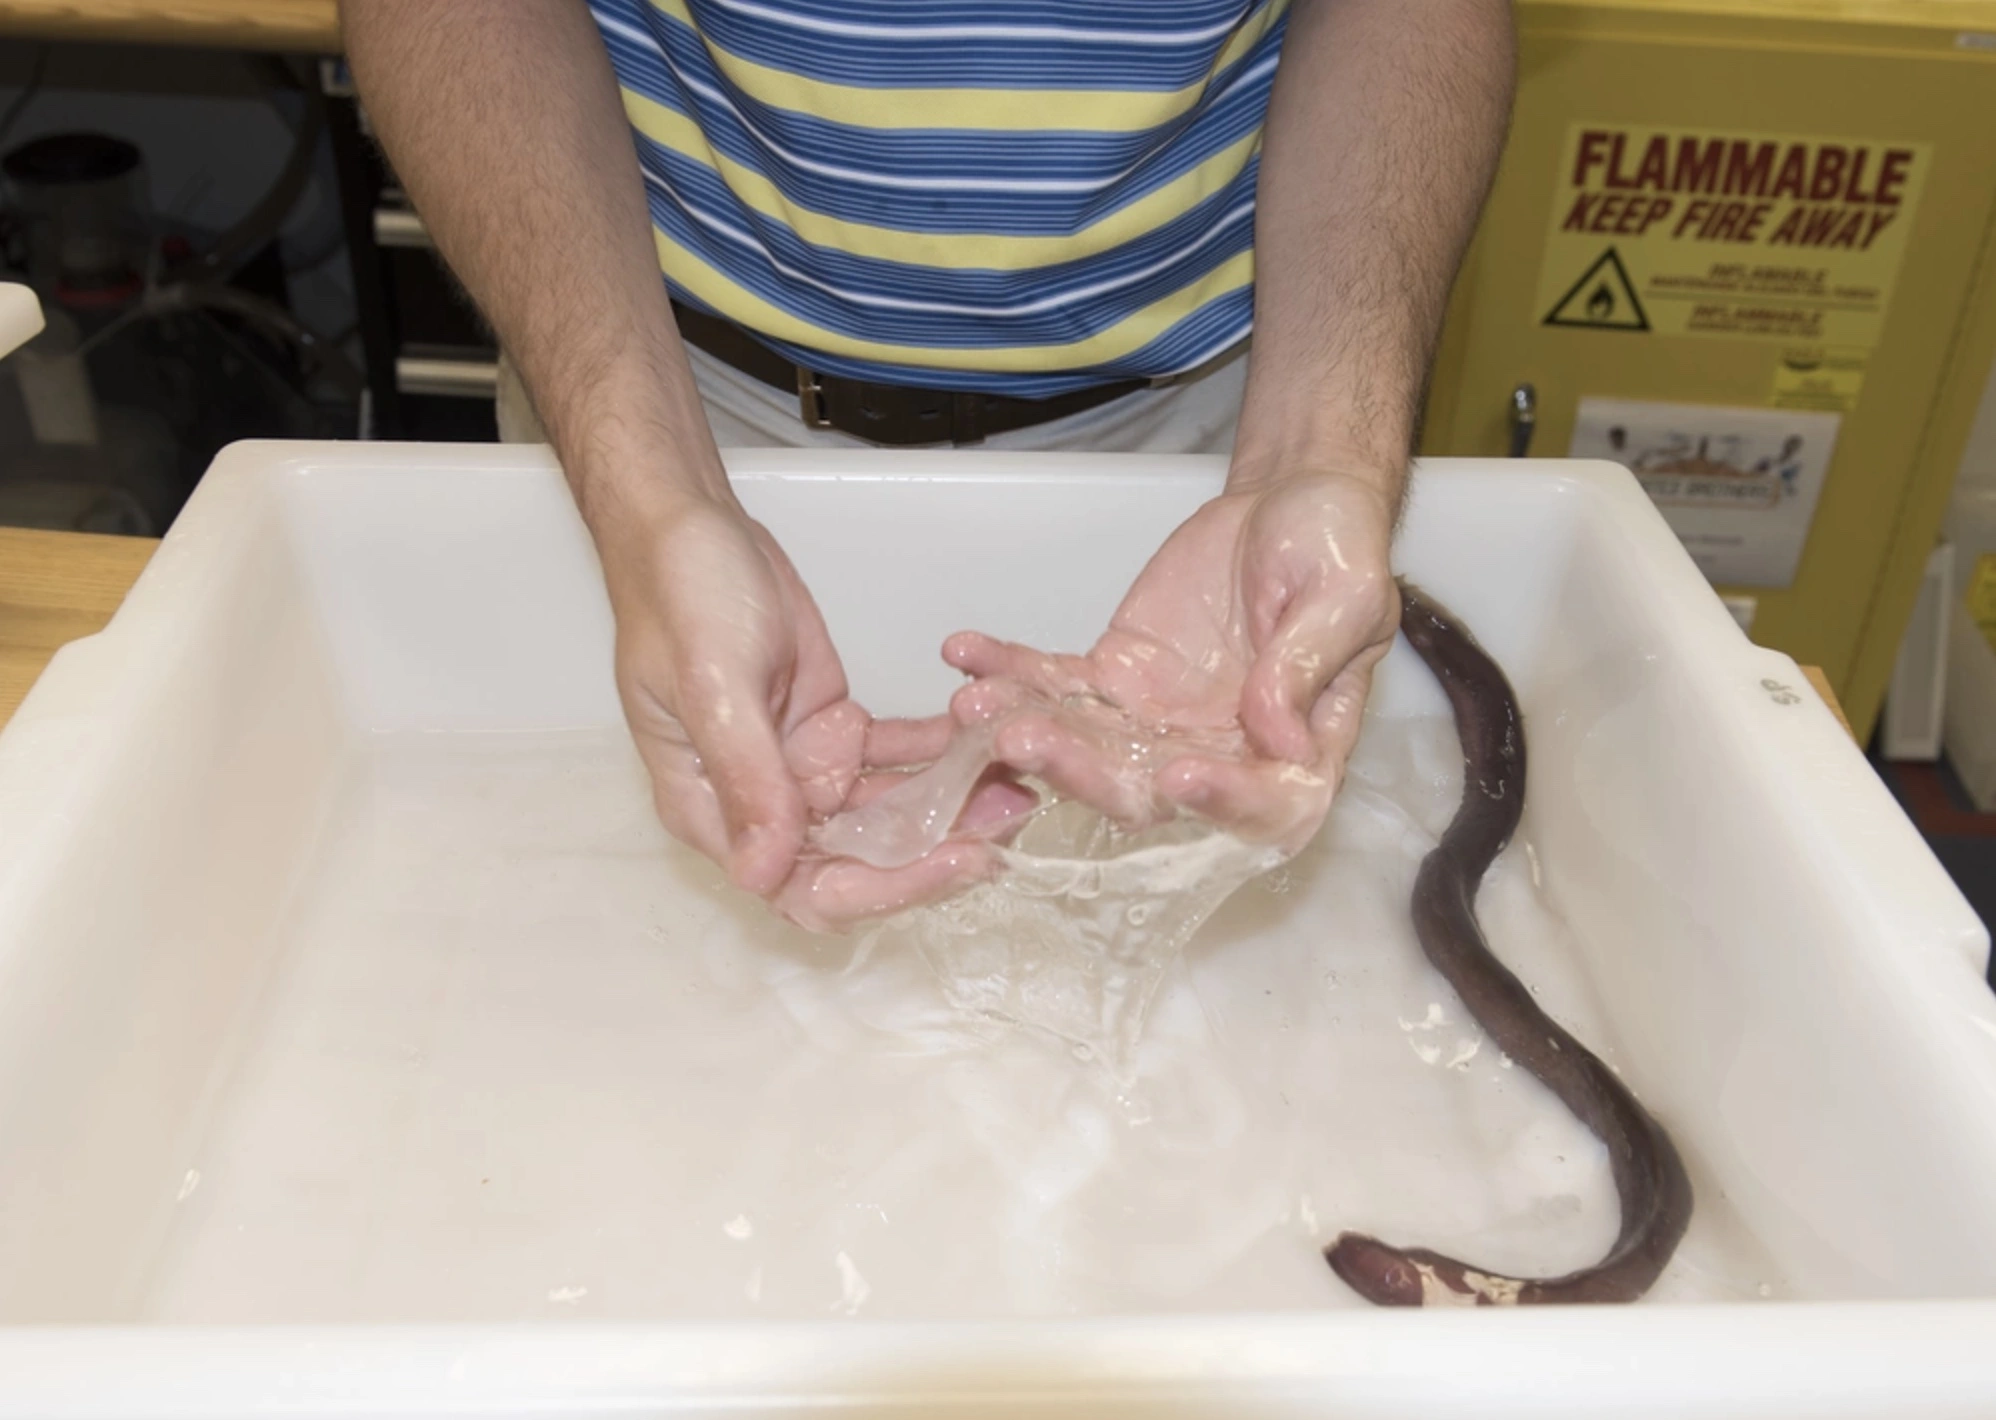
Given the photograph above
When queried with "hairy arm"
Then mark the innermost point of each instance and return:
(1382, 137)
(503, 120)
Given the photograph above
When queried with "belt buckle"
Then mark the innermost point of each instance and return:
(811, 400)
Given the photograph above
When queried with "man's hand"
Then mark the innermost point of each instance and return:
(739, 707)
(1265, 612)
(721, 656)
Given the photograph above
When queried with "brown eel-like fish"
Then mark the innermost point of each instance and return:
(1650, 1181)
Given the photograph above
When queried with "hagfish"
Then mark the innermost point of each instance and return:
(1650, 1181)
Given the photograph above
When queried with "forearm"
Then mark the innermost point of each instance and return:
(1382, 136)
(503, 122)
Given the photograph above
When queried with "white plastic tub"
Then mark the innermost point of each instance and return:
(326, 1002)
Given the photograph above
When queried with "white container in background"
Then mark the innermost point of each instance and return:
(55, 384)
(349, 668)
(1916, 697)
(20, 316)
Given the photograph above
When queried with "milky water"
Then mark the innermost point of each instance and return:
(522, 1058)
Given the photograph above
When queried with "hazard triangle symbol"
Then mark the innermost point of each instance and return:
(1602, 299)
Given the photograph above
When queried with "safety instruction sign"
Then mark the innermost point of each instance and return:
(1738, 486)
(1736, 236)
(1818, 379)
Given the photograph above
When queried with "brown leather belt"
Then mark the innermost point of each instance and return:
(898, 415)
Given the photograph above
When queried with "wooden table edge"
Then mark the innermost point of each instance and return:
(276, 26)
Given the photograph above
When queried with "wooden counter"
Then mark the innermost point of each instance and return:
(296, 26)
(55, 587)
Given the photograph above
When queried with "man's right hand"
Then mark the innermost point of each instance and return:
(718, 644)
(740, 710)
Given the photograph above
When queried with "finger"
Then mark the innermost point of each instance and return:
(761, 802)
(1260, 800)
(893, 743)
(976, 654)
(1075, 766)
(830, 895)
(684, 800)
(824, 753)
(692, 814)
(996, 807)
(1316, 639)
(1339, 714)
(984, 700)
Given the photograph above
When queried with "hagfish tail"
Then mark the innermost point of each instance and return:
(1650, 1182)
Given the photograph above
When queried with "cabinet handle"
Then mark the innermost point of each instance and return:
(1524, 419)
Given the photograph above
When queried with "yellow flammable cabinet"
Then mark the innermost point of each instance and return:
(1748, 249)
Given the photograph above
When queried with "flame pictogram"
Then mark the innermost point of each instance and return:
(1604, 298)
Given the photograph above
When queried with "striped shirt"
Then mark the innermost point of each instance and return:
(1016, 196)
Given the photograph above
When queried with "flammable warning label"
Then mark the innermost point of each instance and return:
(1740, 236)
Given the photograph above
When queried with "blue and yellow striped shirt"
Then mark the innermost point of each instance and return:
(1022, 197)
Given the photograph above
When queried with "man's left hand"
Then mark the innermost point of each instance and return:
(1265, 612)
